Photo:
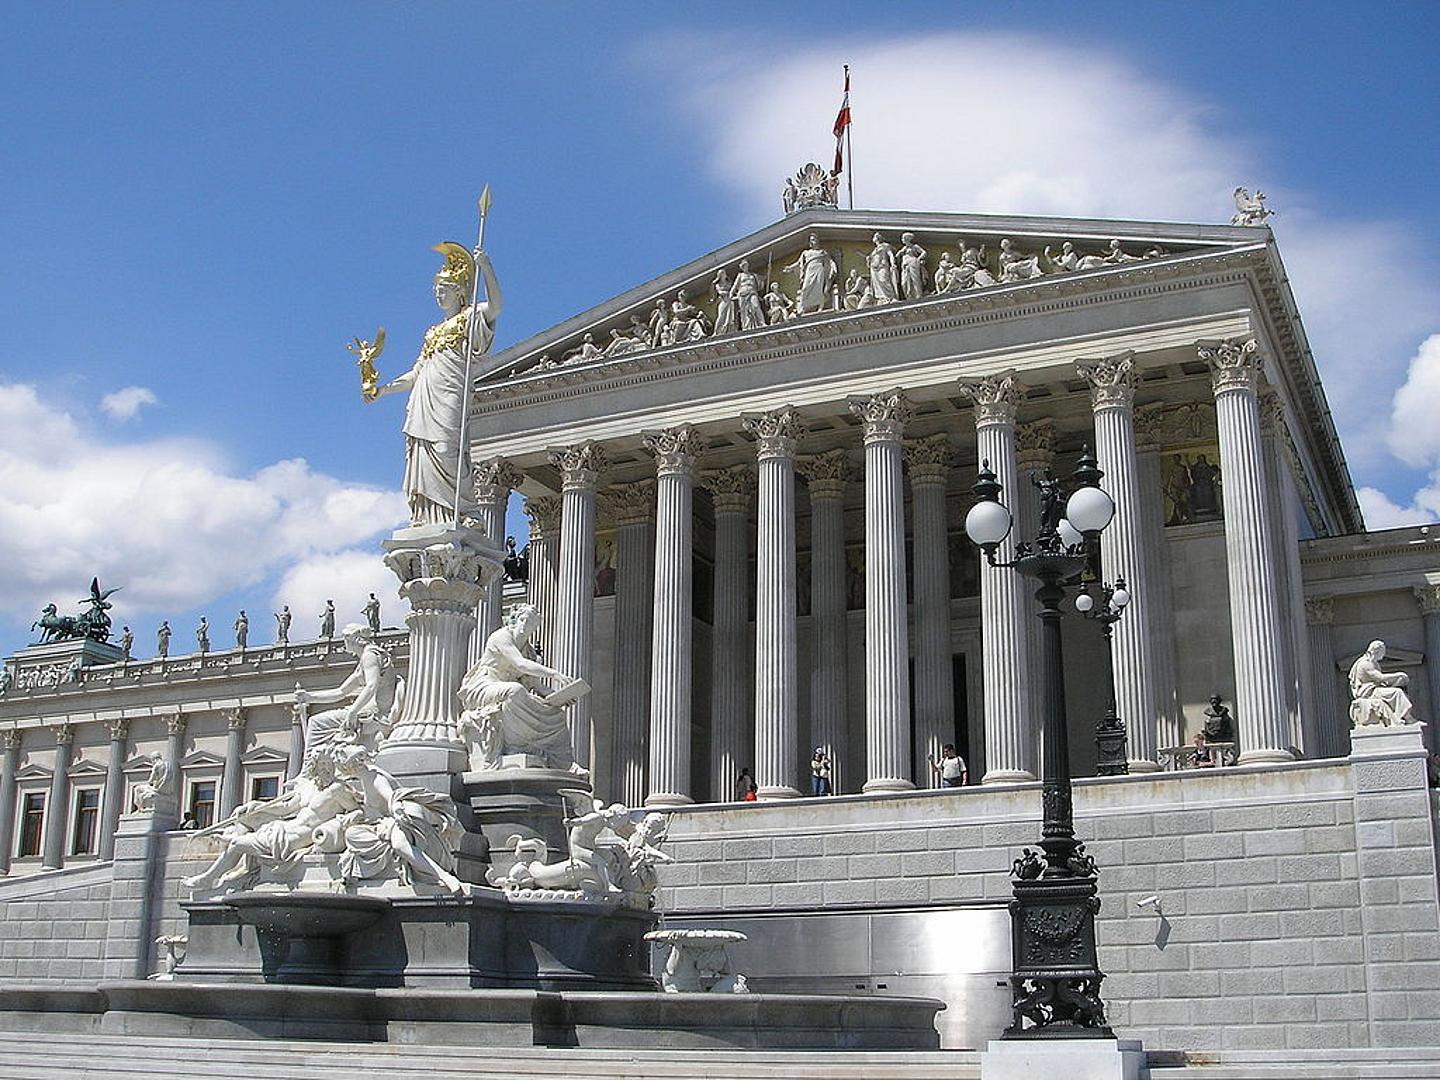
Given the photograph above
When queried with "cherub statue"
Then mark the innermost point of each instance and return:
(1250, 210)
(587, 870)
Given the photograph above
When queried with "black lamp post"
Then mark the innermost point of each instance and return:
(1110, 730)
(1056, 971)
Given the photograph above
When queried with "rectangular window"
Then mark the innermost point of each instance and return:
(32, 823)
(202, 803)
(264, 787)
(87, 821)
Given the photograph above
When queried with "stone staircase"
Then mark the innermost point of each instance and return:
(75, 1056)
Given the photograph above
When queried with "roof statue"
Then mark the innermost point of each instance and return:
(1250, 209)
(811, 186)
(93, 623)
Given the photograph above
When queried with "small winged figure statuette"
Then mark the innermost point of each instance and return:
(365, 353)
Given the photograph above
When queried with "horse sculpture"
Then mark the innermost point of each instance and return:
(93, 623)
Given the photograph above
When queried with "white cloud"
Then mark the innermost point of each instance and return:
(1382, 513)
(1414, 435)
(997, 123)
(348, 577)
(165, 519)
(126, 403)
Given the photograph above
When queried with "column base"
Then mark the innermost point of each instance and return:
(886, 783)
(767, 793)
(1142, 765)
(1075, 1059)
(1269, 756)
(429, 765)
(1008, 776)
(668, 799)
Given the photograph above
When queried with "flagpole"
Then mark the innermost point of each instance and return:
(849, 149)
(470, 354)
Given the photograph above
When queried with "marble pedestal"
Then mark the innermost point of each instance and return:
(1072, 1059)
(1381, 741)
(521, 799)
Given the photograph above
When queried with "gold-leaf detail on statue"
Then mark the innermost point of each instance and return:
(365, 353)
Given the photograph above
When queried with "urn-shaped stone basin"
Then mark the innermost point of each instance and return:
(302, 935)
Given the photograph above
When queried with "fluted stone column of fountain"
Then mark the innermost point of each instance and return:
(827, 476)
(1034, 457)
(443, 572)
(929, 461)
(1010, 736)
(1331, 707)
(1260, 712)
(175, 725)
(675, 451)
(232, 781)
(544, 560)
(57, 803)
(495, 478)
(777, 701)
(887, 639)
(1150, 428)
(1123, 553)
(114, 797)
(731, 737)
(580, 468)
(633, 508)
(299, 714)
(9, 765)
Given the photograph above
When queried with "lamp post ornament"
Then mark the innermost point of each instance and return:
(1110, 756)
(1056, 976)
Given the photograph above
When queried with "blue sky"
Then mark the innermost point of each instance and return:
(205, 201)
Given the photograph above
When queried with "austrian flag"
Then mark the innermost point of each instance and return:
(842, 124)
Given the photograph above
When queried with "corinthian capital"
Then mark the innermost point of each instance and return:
(1111, 379)
(730, 489)
(930, 459)
(1235, 363)
(995, 397)
(64, 734)
(1320, 610)
(10, 739)
(675, 449)
(579, 466)
(776, 432)
(630, 504)
(827, 474)
(495, 478)
(1428, 596)
(544, 514)
(1035, 446)
(119, 730)
(884, 415)
(234, 719)
(175, 723)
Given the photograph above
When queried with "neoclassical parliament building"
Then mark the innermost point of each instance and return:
(746, 482)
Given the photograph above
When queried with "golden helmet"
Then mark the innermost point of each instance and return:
(459, 268)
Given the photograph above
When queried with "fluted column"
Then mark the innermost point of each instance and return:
(1332, 711)
(232, 782)
(1285, 556)
(1148, 427)
(114, 797)
(1123, 553)
(1235, 367)
(633, 508)
(675, 450)
(929, 461)
(731, 736)
(1034, 458)
(827, 476)
(544, 567)
(299, 713)
(494, 480)
(887, 639)
(57, 804)
(575, 608)
(9, 765)
(175, 725)
(1428, 597)
(1010, 736)
(777, 699)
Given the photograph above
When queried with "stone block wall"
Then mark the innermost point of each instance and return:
(1298, 904)
(55, 926)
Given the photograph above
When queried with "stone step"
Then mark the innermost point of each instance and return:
(133, 1057)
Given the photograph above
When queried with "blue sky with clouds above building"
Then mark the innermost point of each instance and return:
(202, 203)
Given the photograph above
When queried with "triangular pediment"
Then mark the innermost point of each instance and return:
(201, 759)
(264, 755)
(34, 772)
(966, 258)
(83, 769)
(138, 763)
